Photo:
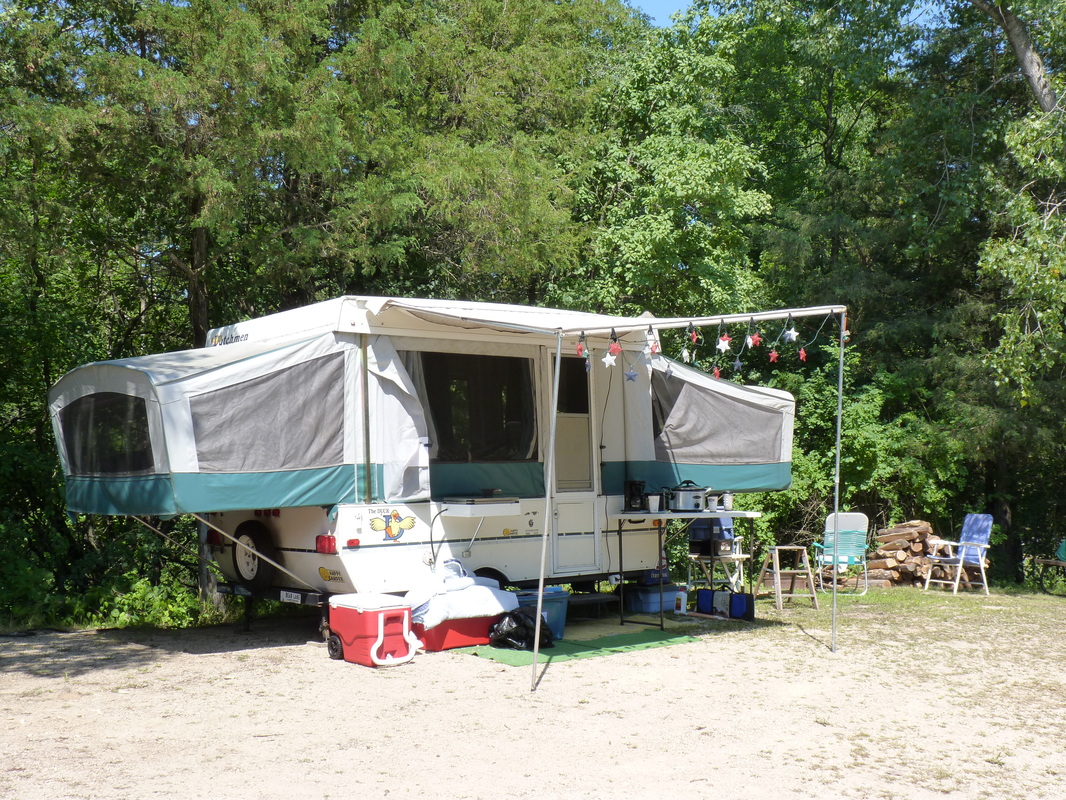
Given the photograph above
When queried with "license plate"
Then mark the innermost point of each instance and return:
(291, 597)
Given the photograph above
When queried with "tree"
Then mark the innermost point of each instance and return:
(496, 117)
(670, 190)
(1029, 60)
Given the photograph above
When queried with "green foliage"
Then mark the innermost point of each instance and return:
(892, 467)
(670, 189)
(136, 601)
(1026, 257)
(108, 573)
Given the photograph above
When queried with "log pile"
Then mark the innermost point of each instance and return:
(901, 557)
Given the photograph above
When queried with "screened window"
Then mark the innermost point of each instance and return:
(481, 406)
(573, 387)
(107, 434)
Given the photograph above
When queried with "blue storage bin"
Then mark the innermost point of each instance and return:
(699, 530)
(704, 600)
(654, 576)
(553, 607)
(645, 599)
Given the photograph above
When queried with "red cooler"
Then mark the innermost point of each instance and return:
(456, 633)
(371, 629)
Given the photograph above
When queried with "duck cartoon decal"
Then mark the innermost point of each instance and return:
(393, 525)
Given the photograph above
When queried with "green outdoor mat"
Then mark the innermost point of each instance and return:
(564, 650)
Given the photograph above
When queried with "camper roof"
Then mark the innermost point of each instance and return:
(353, 314)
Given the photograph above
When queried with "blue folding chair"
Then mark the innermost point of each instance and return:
(955, 557)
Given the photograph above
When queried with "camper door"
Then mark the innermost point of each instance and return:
(576, 544)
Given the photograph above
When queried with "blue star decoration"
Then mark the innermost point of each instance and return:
(631, 375)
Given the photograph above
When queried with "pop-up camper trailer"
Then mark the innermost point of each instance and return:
(356, 443)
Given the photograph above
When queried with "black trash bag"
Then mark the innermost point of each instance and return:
(516, 629)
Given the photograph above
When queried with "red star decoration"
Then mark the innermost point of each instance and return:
(580, 349)
(614, 349)
(694, 335)
(717, 373)
(773, 356)
(803, 354)
(756, 339)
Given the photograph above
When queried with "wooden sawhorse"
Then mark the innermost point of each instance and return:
(801, 565)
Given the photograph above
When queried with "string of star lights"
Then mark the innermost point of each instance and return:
(694, 337)
(753, 343)
(803, 350)
(744, 349)
(614, 351)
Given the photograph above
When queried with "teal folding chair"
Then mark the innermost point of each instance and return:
(969, 552)
(843, 546)
(1052, 575)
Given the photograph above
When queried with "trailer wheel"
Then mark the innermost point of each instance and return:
(495, 574)
(335, 647)
(252, 571)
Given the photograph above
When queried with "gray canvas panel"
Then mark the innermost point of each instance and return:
(289, 419)
(694, 425)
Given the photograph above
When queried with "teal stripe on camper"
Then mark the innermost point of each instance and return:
(720, 477)
(150, 495)
(290, 489)
(182, 493)
(513, 479)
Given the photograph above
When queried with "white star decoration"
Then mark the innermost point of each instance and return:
(608, 360)
(791, 334)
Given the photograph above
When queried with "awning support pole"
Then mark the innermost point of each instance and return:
(364, 377)
(549, 490)
(836, 470)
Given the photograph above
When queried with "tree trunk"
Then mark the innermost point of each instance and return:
(1012, 549)
(1028, 59)
(198, 309)
(198, 314)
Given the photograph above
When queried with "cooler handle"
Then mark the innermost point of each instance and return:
(410, 638)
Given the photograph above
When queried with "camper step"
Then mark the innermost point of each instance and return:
(597, 599)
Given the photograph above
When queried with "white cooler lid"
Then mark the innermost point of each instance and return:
(367, 601)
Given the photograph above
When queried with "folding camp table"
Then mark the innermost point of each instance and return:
(657, 520)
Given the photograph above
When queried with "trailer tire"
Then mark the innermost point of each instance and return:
(495, 574)
(335, 647)
(251, 571)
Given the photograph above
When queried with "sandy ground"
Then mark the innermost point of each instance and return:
(962, 699)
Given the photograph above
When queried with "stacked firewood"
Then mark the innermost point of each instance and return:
(901, 554)
(901, 557)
